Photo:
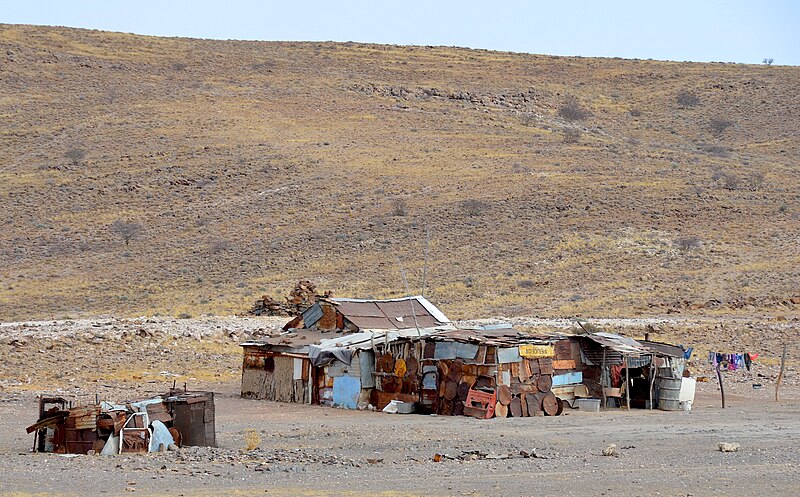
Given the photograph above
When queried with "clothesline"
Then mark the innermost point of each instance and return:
(732, 361)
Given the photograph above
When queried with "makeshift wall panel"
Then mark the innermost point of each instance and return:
(346, 390)
(280, 383)
(366, 361)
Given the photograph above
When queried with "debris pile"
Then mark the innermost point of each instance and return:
(303, 295)
(152, 425)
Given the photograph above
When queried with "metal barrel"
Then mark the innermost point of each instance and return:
(669, 390)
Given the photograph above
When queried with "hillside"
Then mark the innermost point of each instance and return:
(549, 186)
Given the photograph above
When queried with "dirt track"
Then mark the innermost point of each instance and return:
(324, 451)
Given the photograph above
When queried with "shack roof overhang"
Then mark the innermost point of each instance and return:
(618, 343)
(315, 343)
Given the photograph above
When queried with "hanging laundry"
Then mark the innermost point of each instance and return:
(747, 361)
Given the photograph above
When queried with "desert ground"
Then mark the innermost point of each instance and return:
(311, 450)
(182, 179)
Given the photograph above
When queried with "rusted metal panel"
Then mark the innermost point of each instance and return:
(328, 320)
(374, 323)
(83, 418)
(195, 416)
(563, 364)
(360, 309)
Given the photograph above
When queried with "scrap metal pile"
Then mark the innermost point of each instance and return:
(303, 295)
(151, 425)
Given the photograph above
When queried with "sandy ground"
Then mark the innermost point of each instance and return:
(308, 450)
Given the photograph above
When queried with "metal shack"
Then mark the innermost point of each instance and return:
(326, 354)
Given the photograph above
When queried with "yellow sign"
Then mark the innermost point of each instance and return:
(534, 351)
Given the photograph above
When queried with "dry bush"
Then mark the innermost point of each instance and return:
(399, 207)
(529, 119)
(687, 99)
(756, 180)
(526, 284)
(715, 150)
(718, 125)
(75, 155)
(572, 135)
(687, 242)
(218, 245)
(126, 230)
(572, 110)
(726, 180)
(473, 207)
(635, 112)
(251, 440)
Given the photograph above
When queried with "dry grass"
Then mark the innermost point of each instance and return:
(292, 153)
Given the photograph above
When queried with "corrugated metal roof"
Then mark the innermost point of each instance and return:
(664, 349)
(364, 309)
(388, 314)
(393, 307)
(507, 337)
(619, 343)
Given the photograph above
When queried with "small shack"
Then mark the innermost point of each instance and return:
(494, 371)
(326, 354)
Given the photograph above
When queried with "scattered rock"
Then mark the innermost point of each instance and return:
(611, 450)
(729, 447)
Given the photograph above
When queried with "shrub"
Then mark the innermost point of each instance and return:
(473, 207)
(526, 284)
(635, 112)
(572, 135)
(768, 61)
(251, 440)
(728, 181)
(687, 99)
(687, 242)
(218, 245)
(399, 207)
(756, 180)
(126, 230)
(75, 155)
(718, 125)
(572, 110)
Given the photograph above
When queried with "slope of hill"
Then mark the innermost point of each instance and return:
(546, 185)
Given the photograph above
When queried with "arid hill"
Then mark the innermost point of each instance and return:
(143, 175)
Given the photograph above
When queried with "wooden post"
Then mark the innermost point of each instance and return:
(603, 387)
(721, 388)
(627, 384)
(780, 375)
(653, 370)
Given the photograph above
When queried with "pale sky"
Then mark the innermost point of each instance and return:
(712, 30)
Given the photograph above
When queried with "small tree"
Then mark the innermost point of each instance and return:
(718, 125)
(126, 230)
(768, 61)
(572, 110)
(473, 207)
(572, 135)
(75, 155)
(687, 242)
(687, 99)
